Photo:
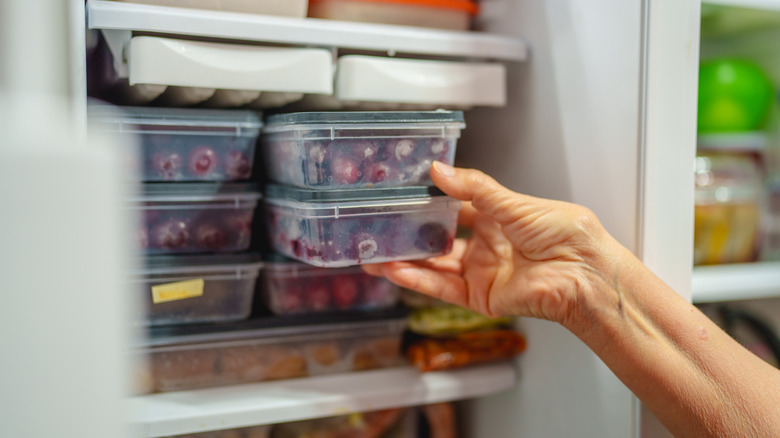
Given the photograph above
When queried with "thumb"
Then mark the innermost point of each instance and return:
(487, 196)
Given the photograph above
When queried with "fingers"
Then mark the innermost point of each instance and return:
(487, 196)
(446, 286)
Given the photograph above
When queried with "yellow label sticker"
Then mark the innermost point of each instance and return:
(180, 290)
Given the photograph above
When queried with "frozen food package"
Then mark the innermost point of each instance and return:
(182, 358)
(452, 320)
(291, 287)
(437, 354)
(186, 144)
(195, 218)
(338, 228)
(364, 149)
(189, 289)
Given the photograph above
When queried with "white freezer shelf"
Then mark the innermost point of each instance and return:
(280, 401)
(111, 15)
(766, 5)
(736, 282)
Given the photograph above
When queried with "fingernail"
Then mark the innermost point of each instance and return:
(444, 169)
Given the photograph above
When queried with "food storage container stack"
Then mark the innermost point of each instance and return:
(196, 209)
(349, 188)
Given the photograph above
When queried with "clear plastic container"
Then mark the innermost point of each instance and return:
(244, 432)
(729, 202)
(197, 289)
(332, 150)
(217, 358)
(185, 144)
(195, 218)
(286, 8)
(295, 288)
(336, 228)
(770, 250)
(440, 14)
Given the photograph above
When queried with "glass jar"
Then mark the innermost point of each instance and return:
(728, 213)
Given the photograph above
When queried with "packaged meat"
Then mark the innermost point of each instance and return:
(436, 354)
(195, 218)
(442, 14)
(196, 289)
(185, 144)
(337, 228)
(205, 356)
(334, 150)
(294, 288)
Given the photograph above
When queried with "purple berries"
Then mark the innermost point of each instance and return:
(202, 161)
(167, 165)
(237, 166)
(433, 238)
(345, 171)
(209, 236)
(170, 234)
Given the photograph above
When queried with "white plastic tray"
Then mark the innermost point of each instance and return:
(286, 8)
(446, 83)
(167, 61)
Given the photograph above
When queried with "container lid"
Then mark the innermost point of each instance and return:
(468, 6)
(275, 327)
(127, 119)
(284, 122)
(348, 195)
(197, 192)
(164, 264)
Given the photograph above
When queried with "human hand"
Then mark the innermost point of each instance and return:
(526, 256)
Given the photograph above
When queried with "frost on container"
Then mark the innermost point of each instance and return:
(350, 227)
(331, 150)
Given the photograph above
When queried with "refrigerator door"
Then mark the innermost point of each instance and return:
(603, 115)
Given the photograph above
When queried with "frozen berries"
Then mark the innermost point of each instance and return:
(170, 234)
(167, 165)
(202, 161)
(432, 237)
(237, 166)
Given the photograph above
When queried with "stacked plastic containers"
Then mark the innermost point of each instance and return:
(196, 210)
(354, 187)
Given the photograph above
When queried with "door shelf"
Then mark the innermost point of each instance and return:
(177, 413)
(736, 282)
(121, 16)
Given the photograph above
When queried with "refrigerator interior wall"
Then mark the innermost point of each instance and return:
(570, 132)
(579, 128)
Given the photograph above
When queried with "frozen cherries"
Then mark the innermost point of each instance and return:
(361, 149)
(200, 163)
(195, 217)
(357, 163)
(296, 288)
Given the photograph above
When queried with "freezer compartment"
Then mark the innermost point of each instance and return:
(339, 228)
(286, 8)
(195, 217)
(225, 358)
(331, 150)
(295, 288)
(244, 432)
(180, 144)
(197, 289)
(447, 14)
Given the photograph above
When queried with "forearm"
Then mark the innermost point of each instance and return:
(690, 373)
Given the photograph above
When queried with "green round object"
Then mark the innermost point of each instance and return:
(734, 95)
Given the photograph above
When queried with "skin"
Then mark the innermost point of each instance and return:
(553, 260)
